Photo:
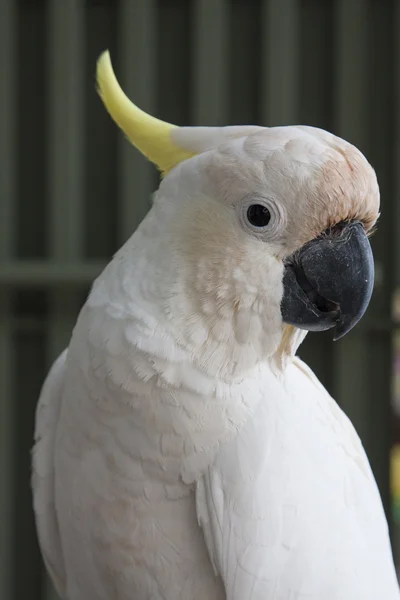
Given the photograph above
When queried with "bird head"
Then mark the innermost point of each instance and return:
(269, 226)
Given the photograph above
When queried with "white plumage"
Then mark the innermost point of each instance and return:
(290, 507)
(182, 452)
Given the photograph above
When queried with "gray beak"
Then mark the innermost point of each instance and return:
(328, 283)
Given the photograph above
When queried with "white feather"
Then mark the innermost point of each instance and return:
(172, 378)
(290, 509)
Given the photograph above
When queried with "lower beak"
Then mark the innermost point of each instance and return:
(329, 281)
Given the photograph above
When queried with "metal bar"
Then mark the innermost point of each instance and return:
(66, 136)
(66, 166)
(358, 365)
(280, 93)
(316, 52)
(382, 131)
(351, 122)
(7, 435)
(351, 89)
(396, 238)
(397, 147)
(52, 273)
(137, 72)
(8, 102)
(210, 62)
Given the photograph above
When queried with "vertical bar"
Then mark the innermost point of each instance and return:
(380, 153)
(316, 47)
(281, 103)
(210, 62)
(351, 60)
(397, 145)
(362, 359)
(8, 102)
(7, 434)
(66, 139)
(351, 122)
(396, 251)
(281, 62)
(137, 72)
(66, 165)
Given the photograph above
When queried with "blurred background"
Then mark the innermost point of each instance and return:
(72, 189)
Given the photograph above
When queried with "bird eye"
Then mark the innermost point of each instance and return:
(262, 217)
(258, 215)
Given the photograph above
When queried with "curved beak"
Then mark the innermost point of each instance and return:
(329, 281)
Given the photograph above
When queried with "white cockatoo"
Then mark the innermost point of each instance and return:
(182, 451)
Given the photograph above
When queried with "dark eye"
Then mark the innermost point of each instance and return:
(258, 215)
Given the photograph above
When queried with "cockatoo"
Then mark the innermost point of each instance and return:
(182, 451)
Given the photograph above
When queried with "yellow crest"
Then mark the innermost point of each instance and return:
(150, 135)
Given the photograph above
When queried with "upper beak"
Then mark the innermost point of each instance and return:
(329, 281)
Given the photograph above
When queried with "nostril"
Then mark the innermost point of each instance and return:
(335, 231)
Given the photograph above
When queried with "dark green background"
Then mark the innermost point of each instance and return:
(72, 189)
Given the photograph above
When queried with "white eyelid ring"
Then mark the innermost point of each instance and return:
(277, 221)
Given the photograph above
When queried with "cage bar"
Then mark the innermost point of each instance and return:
(210, 83)
(66, 167)
(351, 122)
(8, 427)
(280, 93)
(137, 38)
(351, 71)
